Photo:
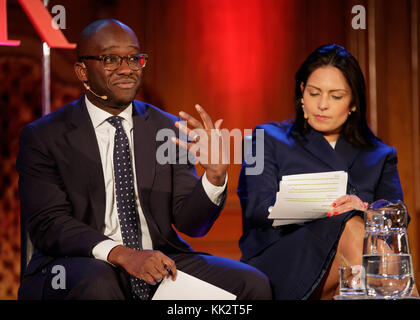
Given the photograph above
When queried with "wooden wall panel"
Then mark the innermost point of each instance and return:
(415, 107)
(397, 112)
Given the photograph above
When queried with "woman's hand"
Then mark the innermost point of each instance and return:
(346, 203)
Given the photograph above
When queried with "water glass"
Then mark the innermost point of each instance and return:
(351, 281)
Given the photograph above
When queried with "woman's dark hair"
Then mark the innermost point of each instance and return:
(355, 130)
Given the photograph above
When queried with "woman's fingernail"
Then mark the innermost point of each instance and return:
(329, 214)
(335, 213)
(334, 204)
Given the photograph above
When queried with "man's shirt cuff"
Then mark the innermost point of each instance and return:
(215, 193)
(103, 248)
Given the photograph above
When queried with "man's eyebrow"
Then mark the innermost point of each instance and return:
(115, 47)
(310, 85)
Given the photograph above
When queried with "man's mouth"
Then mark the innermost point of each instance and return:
(125, 84)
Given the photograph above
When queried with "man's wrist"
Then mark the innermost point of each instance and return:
(215, 178)
(116, 255)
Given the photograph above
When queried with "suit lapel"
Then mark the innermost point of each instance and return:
(83, 142)
(316, 144)
(346, 151)
(144, 136)
(340, 158)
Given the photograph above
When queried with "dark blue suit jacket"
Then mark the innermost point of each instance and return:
(372, 175)
(62, 189)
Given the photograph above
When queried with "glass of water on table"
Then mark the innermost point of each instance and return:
(352, 284)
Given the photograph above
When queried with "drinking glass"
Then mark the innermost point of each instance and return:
(351, 281)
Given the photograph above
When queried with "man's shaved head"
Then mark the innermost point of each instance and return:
(90, 33)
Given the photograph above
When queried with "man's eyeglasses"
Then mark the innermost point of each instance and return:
(112, 62)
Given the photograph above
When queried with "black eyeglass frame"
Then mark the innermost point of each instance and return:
(103, 56)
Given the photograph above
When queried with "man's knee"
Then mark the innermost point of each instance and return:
(243, 280)
(84, 279)
(102, 283)
(261, 288)
(255, 284)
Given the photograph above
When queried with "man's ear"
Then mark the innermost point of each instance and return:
(81, 71)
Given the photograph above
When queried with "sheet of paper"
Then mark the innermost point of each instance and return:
(187, 287)
(281, 222)
(309, 196)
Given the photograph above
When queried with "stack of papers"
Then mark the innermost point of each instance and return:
(308, 196)
(187, 287)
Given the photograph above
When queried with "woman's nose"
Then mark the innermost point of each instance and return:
(323, 104)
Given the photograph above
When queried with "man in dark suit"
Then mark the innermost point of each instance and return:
(72, 186)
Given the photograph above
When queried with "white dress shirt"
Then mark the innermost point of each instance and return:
(105, 133)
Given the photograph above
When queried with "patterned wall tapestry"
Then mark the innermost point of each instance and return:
(20, 103)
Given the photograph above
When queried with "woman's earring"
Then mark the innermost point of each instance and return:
(353, 109)
(305, 116)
